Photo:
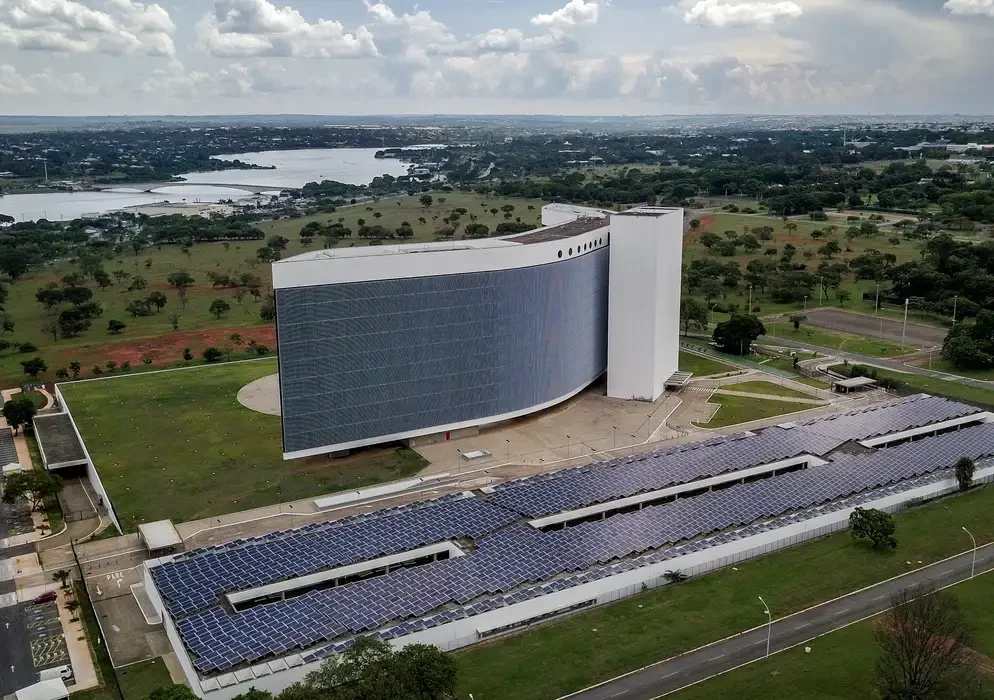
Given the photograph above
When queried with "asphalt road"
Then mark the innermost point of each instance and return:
(16, 667)
(679, 672)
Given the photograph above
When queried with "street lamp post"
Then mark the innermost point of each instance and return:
(904, 328)
(973, 566)
(567, 446)
(955, 301)
(769, 625)
(615, 429)
(750, 298)
(821, 289)
(508, 451)
(805, 303)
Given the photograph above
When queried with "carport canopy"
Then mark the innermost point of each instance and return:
(847, 385)
(160, 535)
(53, 689)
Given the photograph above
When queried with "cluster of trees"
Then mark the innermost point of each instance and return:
(31, 486)
(178, 228)
(971, 346)
(69, 306)
(368, 670)
(736, 335)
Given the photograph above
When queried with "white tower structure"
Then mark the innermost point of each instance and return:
(643, 343)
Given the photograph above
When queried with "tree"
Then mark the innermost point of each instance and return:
(176, 691)
(735, 335)
(875, 525)
(219, 307)
(710, 289)
(77, 295)
(692, 313)
(62, 577)
(157, 299)
(964, 472)
(924, 642)
(137, 284)
(426, 200)
(791, 227)
(102, 278)
(709, 239)
(277, 242)
(187, 354)
(843, 295)
(797, 320)
(50, 296)
(138, 308)
(19, 411)
(265, 254)
(174, 320)
(75, 367)
(213, 354)
(371, 670)
(34, 367)
(62, 373)
(267, 312)
(477, 230)
(32, 486)
(114, 326)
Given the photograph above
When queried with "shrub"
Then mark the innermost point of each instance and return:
(213, 354)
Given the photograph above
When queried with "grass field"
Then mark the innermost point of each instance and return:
(542, 663)
(940, 365)
(178, 445)
(840, 665)
(154, 335)
(138, 680)
(801, 239)
(769, 389)
(858, 344)
(740, 409)
(703, 366)
(942, 387)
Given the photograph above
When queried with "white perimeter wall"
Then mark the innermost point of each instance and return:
(464, 632)
(555, 214)
(644, 303)
(91, 469)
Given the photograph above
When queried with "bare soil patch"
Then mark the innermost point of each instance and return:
(168, 348)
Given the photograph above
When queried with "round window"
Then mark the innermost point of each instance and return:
(560, 253)
(570, 251)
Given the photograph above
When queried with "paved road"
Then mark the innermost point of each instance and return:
(681, 671)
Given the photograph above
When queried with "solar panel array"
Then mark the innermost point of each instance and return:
(507, 564)
(546, 494)
(890, 417)
(194, 581)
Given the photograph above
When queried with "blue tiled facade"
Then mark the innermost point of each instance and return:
(393, 357)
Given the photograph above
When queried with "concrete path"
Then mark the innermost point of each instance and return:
(720, 657)
(770, 397)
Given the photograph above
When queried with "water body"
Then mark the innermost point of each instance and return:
(354, 166)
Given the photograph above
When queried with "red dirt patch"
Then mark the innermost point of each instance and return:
(691, 236)
(165, 349)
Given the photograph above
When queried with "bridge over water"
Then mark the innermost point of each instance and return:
(151, 186)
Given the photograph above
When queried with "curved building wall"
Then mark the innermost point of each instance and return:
(369, 361)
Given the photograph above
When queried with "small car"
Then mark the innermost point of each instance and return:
(46, 597)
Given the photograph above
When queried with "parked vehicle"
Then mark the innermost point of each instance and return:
(46, 597)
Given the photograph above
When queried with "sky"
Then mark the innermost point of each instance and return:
(582, 57)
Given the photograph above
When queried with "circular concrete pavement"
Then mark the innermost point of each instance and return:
(262, 395)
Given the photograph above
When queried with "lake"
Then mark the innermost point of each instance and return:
(354, 166)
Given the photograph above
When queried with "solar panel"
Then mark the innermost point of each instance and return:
(513, 562)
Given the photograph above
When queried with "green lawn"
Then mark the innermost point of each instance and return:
(542, 663)
(156, 263)
(840, 665)
(940, 365)
(179, 445)
(138, 680)
(703, 366)
(741, 409)
(769, 389)
(942, 387)
(836, 341)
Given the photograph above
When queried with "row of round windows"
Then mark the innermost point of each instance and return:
(585, 247)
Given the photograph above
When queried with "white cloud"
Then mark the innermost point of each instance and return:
(126, 28)
(505, 41)
(66, 26)
(242, 28)
(970, 7)
(721, 14)
(13, 83)
(573, 14)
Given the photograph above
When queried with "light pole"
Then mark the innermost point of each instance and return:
(973, 566)
(712, 312)
(769, 625)
(750, 298)
(876, 305)
(904, 328)
(508, 451)
(615, 429)
(955, 301)
(805, 303)
(821, 289)
(567, 447)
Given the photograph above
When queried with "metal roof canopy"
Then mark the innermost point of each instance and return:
(53, 689)
(855, 382)
(159, 535)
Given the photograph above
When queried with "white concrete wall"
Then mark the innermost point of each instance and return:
(467, 631)
(644, 303)
(555, 214)
(91, 469)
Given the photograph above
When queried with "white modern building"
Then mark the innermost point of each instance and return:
(420, 341)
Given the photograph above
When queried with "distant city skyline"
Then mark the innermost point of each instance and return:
(576, 57)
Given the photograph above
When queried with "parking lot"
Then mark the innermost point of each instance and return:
(31, 639)
(917, 335)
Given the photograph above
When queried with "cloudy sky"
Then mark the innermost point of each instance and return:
(77, 57)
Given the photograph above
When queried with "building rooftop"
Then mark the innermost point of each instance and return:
(60, 446)
(496, 557)
(559, 232)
